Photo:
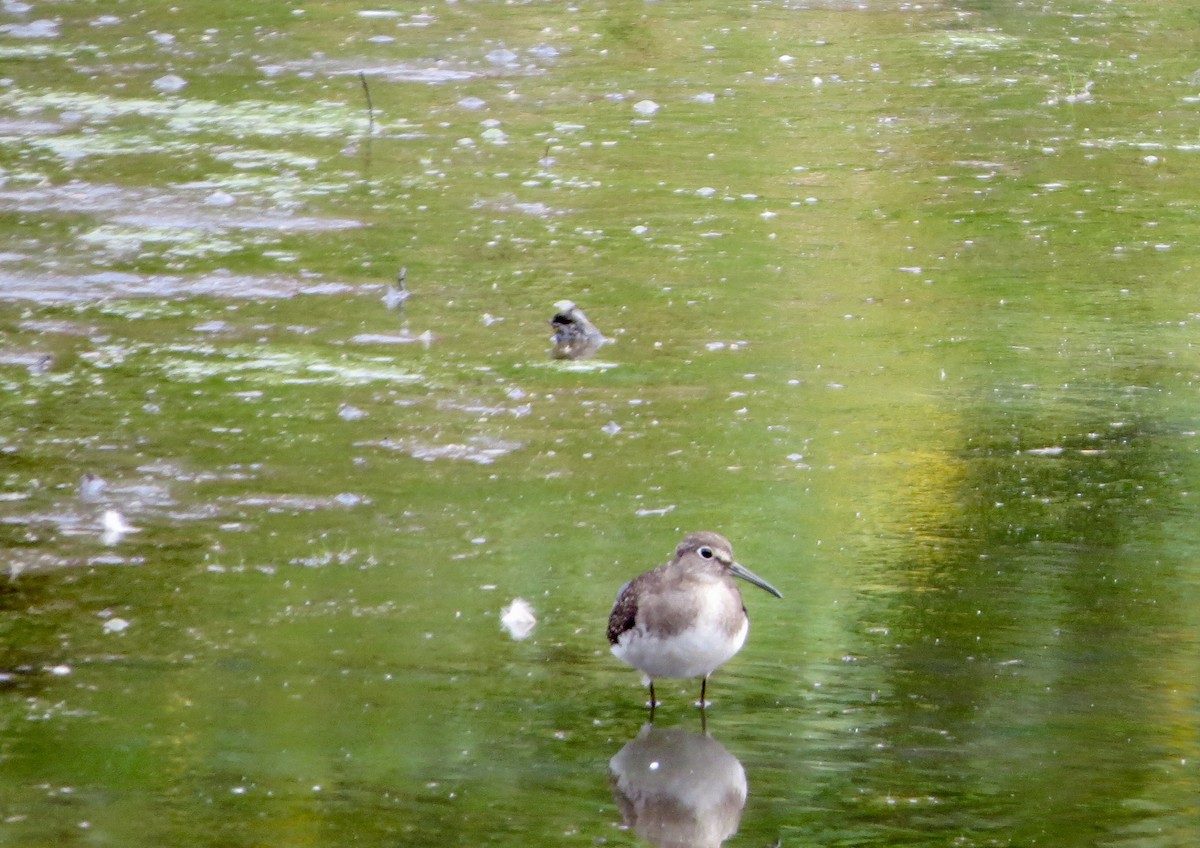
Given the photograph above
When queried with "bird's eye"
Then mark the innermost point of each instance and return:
(706, 552)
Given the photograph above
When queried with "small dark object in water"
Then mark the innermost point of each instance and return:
(575, 337)
(397, 293)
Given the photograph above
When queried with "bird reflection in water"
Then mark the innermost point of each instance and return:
(677, 788)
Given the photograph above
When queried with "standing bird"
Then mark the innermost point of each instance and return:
(685, 618)
(575, 337)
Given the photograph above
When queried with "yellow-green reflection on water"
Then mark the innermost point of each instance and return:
(901, 301)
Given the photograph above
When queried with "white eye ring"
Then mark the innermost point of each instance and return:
(706, 552)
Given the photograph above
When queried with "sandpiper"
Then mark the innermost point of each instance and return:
(575, 337)
(685, 618)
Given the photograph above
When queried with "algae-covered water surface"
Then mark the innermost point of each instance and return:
(898, 297)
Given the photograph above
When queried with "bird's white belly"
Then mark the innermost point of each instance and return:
(694, 652)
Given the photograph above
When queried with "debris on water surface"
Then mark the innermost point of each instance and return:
(1052, 450)
(49, 288)
(43, 28)
(425, 338)
(220, 198)
(646, 513)
(483, 450)
(115, 527)
(501, 56)
(518, 619)
(543, 51)
(494, 135)
(348, 412)
(116, 625)
(170, 84)
(397, 292)
(91, 487)
(214, 326)
(37, 363)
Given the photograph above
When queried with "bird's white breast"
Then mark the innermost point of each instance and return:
(693, 651)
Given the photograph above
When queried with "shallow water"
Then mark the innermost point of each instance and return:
(900, 300)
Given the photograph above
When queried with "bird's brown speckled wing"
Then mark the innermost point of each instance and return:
(624, 614)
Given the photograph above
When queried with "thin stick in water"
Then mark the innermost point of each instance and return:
(370, 108)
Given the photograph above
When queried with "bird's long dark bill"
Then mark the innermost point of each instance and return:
(739, 570)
